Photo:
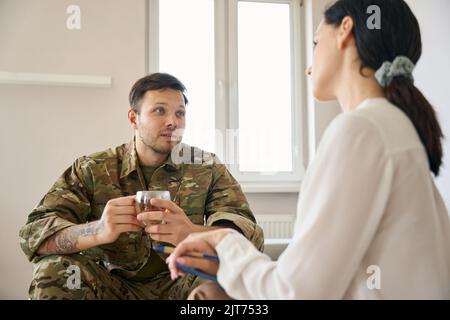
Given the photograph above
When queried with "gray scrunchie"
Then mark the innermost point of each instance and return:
(401, 66)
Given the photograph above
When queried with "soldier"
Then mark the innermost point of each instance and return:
(86, 240)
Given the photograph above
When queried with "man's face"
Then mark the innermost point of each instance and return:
(161, 121)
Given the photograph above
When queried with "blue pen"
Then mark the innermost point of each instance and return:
(196, 272)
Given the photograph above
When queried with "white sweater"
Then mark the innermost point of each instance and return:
(368, 202)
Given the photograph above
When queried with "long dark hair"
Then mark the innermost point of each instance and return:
(399, 35)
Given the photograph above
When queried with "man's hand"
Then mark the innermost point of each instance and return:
(175, 226)
(119, 216)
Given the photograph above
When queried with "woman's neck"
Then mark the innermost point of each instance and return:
(355, 88)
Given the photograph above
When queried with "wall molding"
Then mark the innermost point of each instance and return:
(51, 79)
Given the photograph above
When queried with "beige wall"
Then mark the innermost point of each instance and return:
(43, 129)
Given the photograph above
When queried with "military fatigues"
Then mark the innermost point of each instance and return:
(200, 185)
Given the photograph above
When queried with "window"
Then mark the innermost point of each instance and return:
(241, 64)
(264, 87)
(186, 50)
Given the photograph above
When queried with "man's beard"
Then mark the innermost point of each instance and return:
(154, 147)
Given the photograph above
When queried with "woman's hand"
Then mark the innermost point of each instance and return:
(201, 264)
(203, 242)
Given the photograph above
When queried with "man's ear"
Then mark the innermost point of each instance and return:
(133, 118)
(345, 35)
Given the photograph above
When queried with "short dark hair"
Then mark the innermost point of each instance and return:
(154, 81)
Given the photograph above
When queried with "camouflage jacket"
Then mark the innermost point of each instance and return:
(202, 187)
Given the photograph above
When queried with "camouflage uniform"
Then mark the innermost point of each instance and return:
(197, 182)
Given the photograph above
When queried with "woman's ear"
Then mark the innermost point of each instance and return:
(345, 34)
(132, 118)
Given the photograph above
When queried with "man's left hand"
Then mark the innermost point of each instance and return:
(175, 226)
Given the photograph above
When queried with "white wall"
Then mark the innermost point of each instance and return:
(433, 71)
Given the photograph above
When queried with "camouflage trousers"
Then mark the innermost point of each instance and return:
(52, 281)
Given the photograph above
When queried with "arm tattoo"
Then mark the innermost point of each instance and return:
(66, 240)
(90, 229)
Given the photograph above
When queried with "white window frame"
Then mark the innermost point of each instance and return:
(226, 87)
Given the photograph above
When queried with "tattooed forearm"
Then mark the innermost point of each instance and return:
(66, 241)
(92, 228)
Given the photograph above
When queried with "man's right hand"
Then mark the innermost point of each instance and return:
(119, 216)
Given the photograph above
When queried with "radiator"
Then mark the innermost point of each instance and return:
(276, 226)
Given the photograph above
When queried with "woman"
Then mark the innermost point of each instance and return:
(371, 223)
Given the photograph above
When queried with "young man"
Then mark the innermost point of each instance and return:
(85, 238)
